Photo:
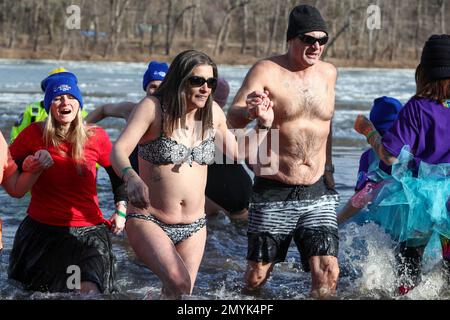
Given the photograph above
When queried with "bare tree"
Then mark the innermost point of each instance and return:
(244, 28)
(287, 10)
(117, 9)
(441, 4)
(232, 6)
(233, 26)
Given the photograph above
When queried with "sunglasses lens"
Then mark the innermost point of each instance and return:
(311, 40)
(199, 81)
(323, 41)
(196, 81)
(212, 83)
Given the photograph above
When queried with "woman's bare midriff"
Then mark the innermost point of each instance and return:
(177, 192)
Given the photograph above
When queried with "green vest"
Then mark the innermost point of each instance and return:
(34, 112)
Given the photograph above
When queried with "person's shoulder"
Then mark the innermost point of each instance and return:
(328, 69)
(217, 111)
(30, 133)
(35, 127)
(268, 64)
(96, 130)
(150, 102)
(97, 134)
(415, 105)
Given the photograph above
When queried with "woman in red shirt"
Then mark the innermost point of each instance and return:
(63, 243)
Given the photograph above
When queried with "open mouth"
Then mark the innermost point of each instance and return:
(65, 111)
(312, 54)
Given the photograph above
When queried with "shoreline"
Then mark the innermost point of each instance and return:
(231, 59)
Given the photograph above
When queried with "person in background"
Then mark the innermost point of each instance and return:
(17, 183)
(415, 205)
(35, 111)
(228, 186)
(153, 76)
(64, 226)
(151, 80)
(383, 114)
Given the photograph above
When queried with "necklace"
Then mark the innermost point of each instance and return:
(446, 103)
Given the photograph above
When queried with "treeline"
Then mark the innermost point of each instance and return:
(226, 29)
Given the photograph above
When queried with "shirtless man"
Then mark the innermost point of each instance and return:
(298, 201)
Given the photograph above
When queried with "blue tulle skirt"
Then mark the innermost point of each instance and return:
(413, 203)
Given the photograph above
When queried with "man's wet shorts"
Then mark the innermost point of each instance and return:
(279, 212)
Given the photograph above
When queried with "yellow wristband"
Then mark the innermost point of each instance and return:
(121, 213)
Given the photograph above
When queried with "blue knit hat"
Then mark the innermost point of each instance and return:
(384, 112)
(59, 72)
(59, 86)
(155, 71)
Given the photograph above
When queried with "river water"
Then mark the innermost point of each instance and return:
(366, 253)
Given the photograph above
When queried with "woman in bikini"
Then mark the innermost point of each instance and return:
(176, 131)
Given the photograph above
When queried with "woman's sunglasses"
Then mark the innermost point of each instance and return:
(196, 81)
(312, 40)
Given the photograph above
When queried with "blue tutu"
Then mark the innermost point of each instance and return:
(413, 202)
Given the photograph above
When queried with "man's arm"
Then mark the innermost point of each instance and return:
(247, 142)
(116, 110)
(238, 115)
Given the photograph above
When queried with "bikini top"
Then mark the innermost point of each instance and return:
(165, 150)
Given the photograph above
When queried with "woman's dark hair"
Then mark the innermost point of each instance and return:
(432, 89)
(172, 91)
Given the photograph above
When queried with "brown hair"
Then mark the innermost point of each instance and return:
(432, 89)
(172, 91)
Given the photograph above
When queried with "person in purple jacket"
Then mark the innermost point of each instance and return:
(423, 126)
(383, 114)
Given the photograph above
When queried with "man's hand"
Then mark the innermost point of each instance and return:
(38, 162)
(260, 106)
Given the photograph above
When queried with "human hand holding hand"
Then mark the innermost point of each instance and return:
(260, 106)
(38, 162)
(257, 101)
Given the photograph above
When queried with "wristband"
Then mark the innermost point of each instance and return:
(371, 134)
(125, 170)
(121, 213)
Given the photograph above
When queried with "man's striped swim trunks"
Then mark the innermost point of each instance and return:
(279, 212)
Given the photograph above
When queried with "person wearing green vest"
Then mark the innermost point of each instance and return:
(35, 112)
